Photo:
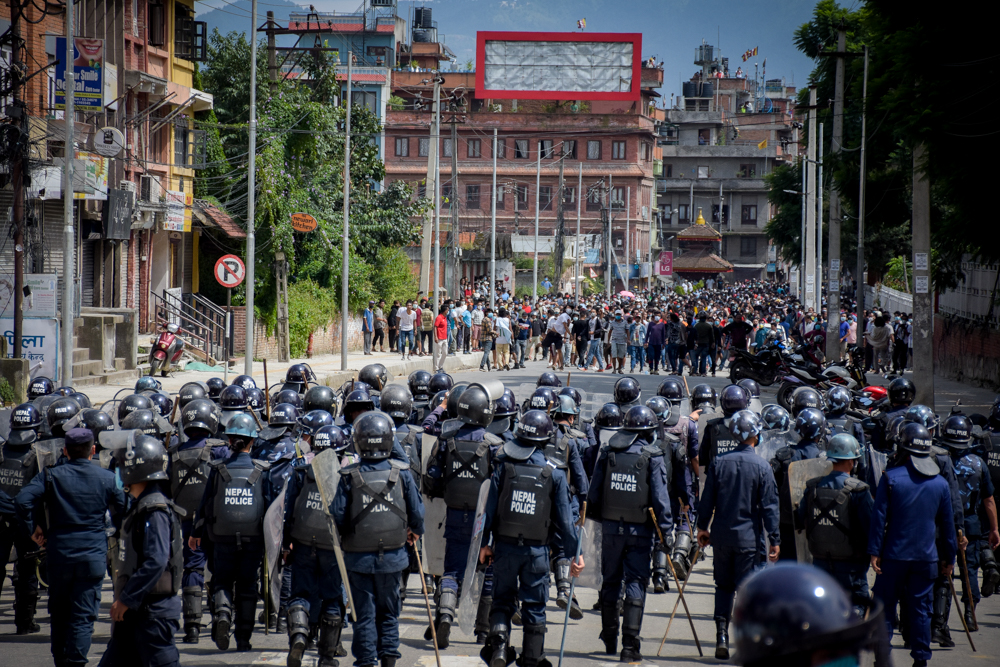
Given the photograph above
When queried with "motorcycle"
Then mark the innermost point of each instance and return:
(166, 351)
(765, 367)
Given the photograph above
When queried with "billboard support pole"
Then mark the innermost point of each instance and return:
(69, 236)
(576, 264)
(538, 204)
(493, 227)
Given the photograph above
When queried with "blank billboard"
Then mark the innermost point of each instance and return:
(558, 66)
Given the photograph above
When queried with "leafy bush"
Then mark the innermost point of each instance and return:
(310, 307)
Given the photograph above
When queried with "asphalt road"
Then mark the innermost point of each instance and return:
(582, 644)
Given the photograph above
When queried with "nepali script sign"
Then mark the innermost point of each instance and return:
(39, 344)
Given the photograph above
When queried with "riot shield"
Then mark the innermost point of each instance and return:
(878, 462)
(5, 423)
(274, 520)
(326, 468)
(755, 406)
(472, 585)
(705, 417)
(771, 441)
(47, 452)
(594, 404)
(591, 536)
(799, 473)
(435, 512)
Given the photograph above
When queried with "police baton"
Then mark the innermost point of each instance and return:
(572, 582)
(680, 593)
(427, 602)
(267, 597)
(965, 582)
(963, 566)
(267, 392)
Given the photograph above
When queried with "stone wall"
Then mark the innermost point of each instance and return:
(966, 352)
(325, 340)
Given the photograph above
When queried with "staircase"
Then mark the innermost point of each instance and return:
(93, 342)
(202, 325)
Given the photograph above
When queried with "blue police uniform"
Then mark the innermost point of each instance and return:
(974, 485)
(145, 636)
(18, 466)
(783, 458)
(70, 502)
(910, 508)
(376, 574)
(741, 503)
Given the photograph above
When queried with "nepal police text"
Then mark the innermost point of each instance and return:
(239, 497)
(623, 482)
(523, 502)
(824, 521)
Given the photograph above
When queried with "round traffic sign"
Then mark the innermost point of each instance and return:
(230, 271)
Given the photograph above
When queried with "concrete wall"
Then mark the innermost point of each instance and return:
(967, 352)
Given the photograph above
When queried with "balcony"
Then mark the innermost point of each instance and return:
(748, 150)
(452, 80)
(652, 77)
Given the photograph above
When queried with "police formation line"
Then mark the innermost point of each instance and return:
(283, 493)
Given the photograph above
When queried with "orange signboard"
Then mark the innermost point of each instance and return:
(303, 222)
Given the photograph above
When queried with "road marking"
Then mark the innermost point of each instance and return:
(451, 661)
(281, 658)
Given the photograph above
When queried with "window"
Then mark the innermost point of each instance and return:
(725, 213)
(472, 197)
(704, 137)
(594, 200)
(645, 153)
(750, 214)
(360, 98)
(569, 196)
(522, 198)
(421, 190)
(682, 214)
(447, 148)
(190, 36)
(474, 148)
(569, 149)
(501, 149)
(617, 150)
(501, 202)
(668, 171)
(402, 146)
(702, 172)
(520, 149)
(593, 150)
(618, 196)
(748, 246)
(545, 146)
(747, 171)
(182, 142)
(446, 194)
(545, 197)
(423, 146)
(157, 24)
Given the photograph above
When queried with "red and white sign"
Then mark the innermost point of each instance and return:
(230, 271)
(666, 263)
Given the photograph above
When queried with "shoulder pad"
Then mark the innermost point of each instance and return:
(672, 438)
(622, 440)
(153, 501)
(216, 442)
(939, 451)
(217, 463)
(492, 439)
(399, 465)
(855, 485)
(783, 454)
(262, 465)
(587, 421)
(450, 428)
(350, 468)
(574, 433)
(652, 451)
(810, 483)
(415, 428)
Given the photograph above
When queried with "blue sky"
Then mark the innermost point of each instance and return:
(671, 29)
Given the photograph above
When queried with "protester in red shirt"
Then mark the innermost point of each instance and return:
(441, 336)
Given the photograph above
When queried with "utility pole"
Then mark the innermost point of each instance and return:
(628, 220)
(436, 138)
(493, 226)
(833, 287)
(69, 236)
(431, 188)
(860, 296)
(576, 264)
(802, 236)
(923, 313)
(272, 62)
(453, 205)
(819, 223)
(251, 193)
(560, 249)
(611, 206)
(17, 175)
(810, 259)
(538, 205)
(345, 243)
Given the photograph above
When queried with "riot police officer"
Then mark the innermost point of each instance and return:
(626, 393)
(686, 430)
(563, 451)
(835, 513)
(899, 394)
(377, 509)
(322, 398)
(188, 474)
(806, 397)
(810, 424)
(527, 498)
(630, 478)
(718, 438)
(741, 503)
(277, 439)
(237, 494)
(989, 450)
(581, 424)
(150, 563)
(215, 386)
(418, 383)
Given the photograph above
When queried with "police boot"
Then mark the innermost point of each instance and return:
(298, 634)
(660, 582)
(329, 639)
(222, 620)
(970, 619)
(24, 613)
(563, 586)
(498, 652)
(533, 647)
(281, 623)
(680, 556)
(483, 619)
(939, 618)
(721, 639)
(245, 611)
(609, 626)
(631, 624)
(402, 585)
(191, 604)
(386, 662)
(991, 573)
(446, 615)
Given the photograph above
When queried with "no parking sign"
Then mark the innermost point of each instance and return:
(230, 271)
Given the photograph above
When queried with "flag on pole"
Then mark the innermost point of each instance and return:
(762, 145)
(581, 24)
(755, 50)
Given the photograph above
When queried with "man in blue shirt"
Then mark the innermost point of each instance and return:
(368, 326)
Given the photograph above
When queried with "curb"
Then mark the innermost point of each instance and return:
(456, 364)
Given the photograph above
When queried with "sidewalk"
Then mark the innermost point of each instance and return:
(327, 368)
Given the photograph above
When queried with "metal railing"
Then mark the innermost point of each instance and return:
(202, 324)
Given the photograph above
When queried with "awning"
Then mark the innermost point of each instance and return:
(212, 217)
(141, 82)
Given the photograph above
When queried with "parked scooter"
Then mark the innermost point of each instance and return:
(166, 351)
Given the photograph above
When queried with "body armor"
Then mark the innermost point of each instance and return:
(466, 466)
(378, 510)
(132, 535)
(828, 521)
(524, 509)
(189, 474)
(626, 493)
(16, 470)
(311, 525)
(409, 437)
(723, 440)
(238, 507)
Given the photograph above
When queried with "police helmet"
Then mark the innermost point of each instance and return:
(805, 397)
(144, 460)
(40, 386)
(319, 397)
(916, 439)
(374, 435)
(438, 399)
(245, 381)
(288, 396)
(786, 614)
(640, 419)
(573, 393)
(440, 382)
(566, 406)
(215, 387)
(162, 403)
(374, 375)
(892, 432)
(243, 425)
(131, 403)
(329, 436)
(626, 391)
(283, 414)
(143, 421)
(60, 412)
(256, 399)
(233, 397)
(751, 386)
(843, 447)
(147, 382)
(314, 420)
(25, 416)
(543, 398)
(297, 374)
(397, 402)
(191, 391)
(733, 399)
(356, 401)
(454, 394)
(355, 385)
(660, 407)
(199, 414)
(97, 421)
(419, 382)
(63, 391)
(703, 397)
(838, 399)
(535, 426)
(775, 418)
(745, 425)
(921, 414)
(956, 432)
(506, 405)
(901, 391)
(810, 423)
(609, 418)
(84, 400)
(548, 379)
(475, 407)
(994, 418)
(671, 389)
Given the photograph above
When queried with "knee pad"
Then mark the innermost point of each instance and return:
(298, 620)
(632, 617)
(449, 602)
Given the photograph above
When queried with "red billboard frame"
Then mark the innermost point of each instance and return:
(633, 95)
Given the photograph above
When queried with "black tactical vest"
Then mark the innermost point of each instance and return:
(131, 539)
(17, 469)
(626, 493)
(992, 459)
(189, 474)
(828, 522)
(238, 507)
(378, 510)
(466, 467)
(720, 440)
(410, 437)
(524, 507)
(557, 450)
(311, 526)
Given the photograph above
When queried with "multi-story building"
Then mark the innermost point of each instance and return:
(722, 135)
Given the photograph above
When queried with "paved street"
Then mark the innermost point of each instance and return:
(583, 645)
